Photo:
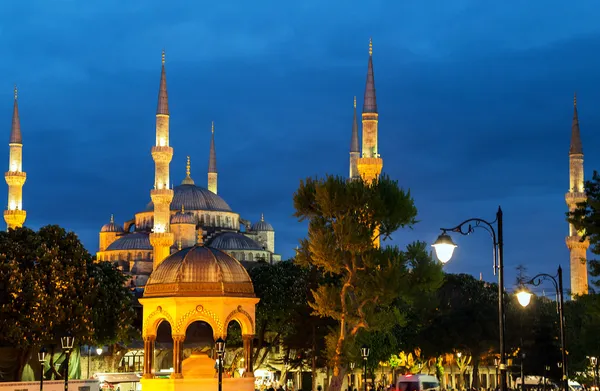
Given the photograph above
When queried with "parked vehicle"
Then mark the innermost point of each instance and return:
(417, 383)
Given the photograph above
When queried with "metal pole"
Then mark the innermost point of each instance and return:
(365, 377)
(503, 386)
(522, 377)
(562, 330)
(220, 372)
(68, 353)
(41, 376)
(88, 370)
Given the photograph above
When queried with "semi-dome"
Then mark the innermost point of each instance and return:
(262, 225)
(199, 271)
(182, 217)
(194, 197)
(131, 241)
(111, 226)
(234, 241)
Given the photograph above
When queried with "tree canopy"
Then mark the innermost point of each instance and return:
(343, 218)
(51, 288)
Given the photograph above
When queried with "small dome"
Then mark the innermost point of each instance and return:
(111, 226)
(131, 241)
(199, 271)
(234, 241)
(262, 225)
(194, 197)
(182, 217)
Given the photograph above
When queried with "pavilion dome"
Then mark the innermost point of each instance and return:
(199, 271)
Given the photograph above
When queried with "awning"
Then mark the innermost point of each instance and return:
(115, 378)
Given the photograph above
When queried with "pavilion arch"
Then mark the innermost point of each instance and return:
(200, 314)
(153, 320)
(243, 318)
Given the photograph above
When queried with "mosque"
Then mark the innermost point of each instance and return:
(176, 217)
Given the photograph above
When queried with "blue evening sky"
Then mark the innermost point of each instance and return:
(475, 101)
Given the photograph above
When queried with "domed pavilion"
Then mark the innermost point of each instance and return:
(205, 284)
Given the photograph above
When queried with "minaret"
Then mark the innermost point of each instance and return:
(576, 194)
(212, 163)
(15, 177)
(370, 164)
(161, 237)
(354, 148)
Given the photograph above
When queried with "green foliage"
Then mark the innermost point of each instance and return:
(586, 219)
(343, 218)
(52, 288)
(282, 291)
(583, 339)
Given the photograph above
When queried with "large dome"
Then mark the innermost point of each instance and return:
(199, 271)
(234, 241)
(194, 197)
(131, 241)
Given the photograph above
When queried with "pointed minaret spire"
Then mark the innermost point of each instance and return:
(163, 97)
(370, 102)
(575, 243)
(262, 217)
(354, 146)
(212, 162)
(576, 146)
(14, 215)
(112, 218)
(188, 172)
(15, 131)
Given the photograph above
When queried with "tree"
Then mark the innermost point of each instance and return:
(586, 220)
(343, 219)
(282, 291)
(466, 320)
(52, 288)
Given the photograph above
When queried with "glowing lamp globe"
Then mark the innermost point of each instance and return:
(99, 351)
(444, 247)
(524, 297)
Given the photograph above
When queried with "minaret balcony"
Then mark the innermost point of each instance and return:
(15, 178)
(161, 196)
(573, 198)
(15, 218)
(162, 154)
(574, 242)
(162, 239)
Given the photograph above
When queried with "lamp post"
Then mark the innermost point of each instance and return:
(350, 382)
(364, 352)
(42, 359)
(496, 363)
(547, 368)
(67, 345)
(220, 345)
(98, 352)
(444, 247)
(522, 373)
(524, 297)
(594, 362)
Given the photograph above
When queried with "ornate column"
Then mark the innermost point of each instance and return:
(149, 356)
(177, 356)
(249, 367)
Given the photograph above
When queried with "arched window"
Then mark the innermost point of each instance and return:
(243, 256)
(218, 221)
(139, 255)
(251, 257)
(112, 257)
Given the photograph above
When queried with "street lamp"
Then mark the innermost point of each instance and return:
(444, 247)
(42, 359)
(522, 373)
(496, 363)
(351, 380)
(99, 351)
(67, 345)
(547, 369)
(220, 345)
(364, 352)
(558, 285)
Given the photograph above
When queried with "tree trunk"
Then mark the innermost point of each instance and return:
(337, 381)
(475, 380)
(22, 358)
(314, 358)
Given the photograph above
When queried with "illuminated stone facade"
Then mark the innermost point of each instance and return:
(181, 216)
(15, 177)
(576, 194)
